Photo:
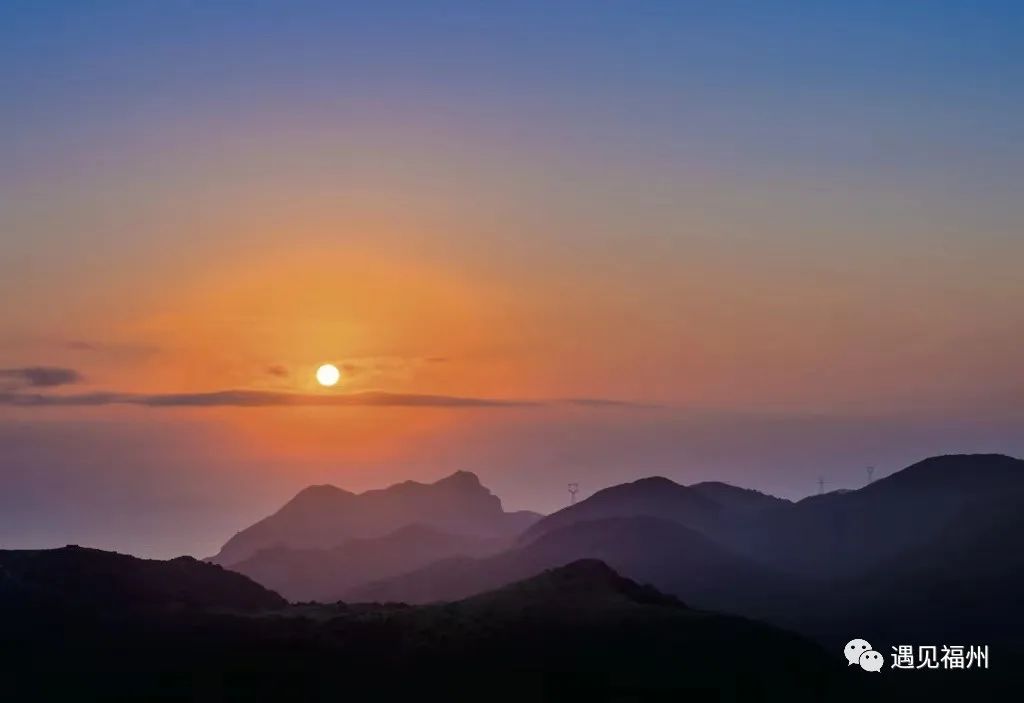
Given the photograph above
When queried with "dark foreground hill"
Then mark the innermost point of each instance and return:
(90, 578)
(581, 632)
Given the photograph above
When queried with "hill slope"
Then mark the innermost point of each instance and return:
(325, 574)
(840, 535)
(323, 517)
(962, 584)
(704, 506)
(673, 558)
(581, 632)
(90, 578)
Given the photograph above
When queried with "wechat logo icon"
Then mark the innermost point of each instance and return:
(859, 651)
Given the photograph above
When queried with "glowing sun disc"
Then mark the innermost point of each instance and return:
(328, 375)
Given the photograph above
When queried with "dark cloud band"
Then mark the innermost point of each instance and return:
(41, 376)
(256, 399)
(243, 398)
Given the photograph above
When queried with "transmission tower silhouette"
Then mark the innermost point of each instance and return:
(871, 474)
(574, 488)
(821, 485)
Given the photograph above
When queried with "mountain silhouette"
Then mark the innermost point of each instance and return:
(703, 506)
(615, 639)
(840, 535)
(325, 575)
(944, 534)
(575, 633)
(632, 597)
(837, 535)
(738, 502)
(582, 584)
(963, 582)
(95, 579)
(322, 517)
(668, 555)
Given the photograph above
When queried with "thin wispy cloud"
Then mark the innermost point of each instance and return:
(386, 366)
(248, 398)
(608, 403)
(20, 391)
(40, 376)
(256, 399)
(121, 349)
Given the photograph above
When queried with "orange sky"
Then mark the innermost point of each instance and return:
(605, 245)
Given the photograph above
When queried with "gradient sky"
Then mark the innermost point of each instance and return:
(759, 242)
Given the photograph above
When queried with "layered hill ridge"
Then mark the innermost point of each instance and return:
(582, 584)
(323, 517)
(702, 506)
(966, 579)
(930, 528)
(932, 552)
(324, 575)
(95, 579)
(669, 555)
(841, 534)
(947, 526)
(835, 535)
(576, 632)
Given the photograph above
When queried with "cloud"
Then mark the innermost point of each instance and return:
(41, 376)
(245, 398)
(386, 365)
(112, 348)
(279, 370)
(351, 370)
(259, 399)
(608, 403)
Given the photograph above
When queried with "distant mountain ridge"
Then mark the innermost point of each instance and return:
(946, 530)
(325, 575)
(667, 554)
(835, 535)
(930, 553)
(702, 506)
(324, 517)
(945, 526)
(964, 580)
(838, 535)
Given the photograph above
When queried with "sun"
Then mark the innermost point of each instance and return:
(328, 375)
